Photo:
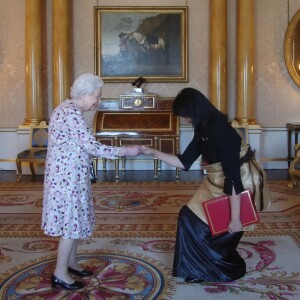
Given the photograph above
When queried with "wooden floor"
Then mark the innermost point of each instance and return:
(141, 176)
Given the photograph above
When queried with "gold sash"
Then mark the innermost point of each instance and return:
(253, 177)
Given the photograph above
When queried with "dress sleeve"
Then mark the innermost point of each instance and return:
(190, 154)
(228, 144)
(79, 134)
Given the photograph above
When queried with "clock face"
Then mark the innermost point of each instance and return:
(137, 102)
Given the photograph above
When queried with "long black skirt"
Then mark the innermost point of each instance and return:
(202, 256)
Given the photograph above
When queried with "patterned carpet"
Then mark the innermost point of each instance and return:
(131, 251)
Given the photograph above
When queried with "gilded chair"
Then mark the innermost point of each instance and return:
(294, 169)
(36, 154)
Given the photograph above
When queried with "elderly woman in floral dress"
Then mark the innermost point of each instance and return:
(68, 203)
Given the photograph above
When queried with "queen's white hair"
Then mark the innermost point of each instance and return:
(85, 84)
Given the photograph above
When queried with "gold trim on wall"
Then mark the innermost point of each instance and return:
(272, 159)
(13, 160)
(290, 45)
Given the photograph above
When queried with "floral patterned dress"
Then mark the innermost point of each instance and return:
(68, 202)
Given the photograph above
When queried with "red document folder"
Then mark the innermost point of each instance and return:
(217, 211)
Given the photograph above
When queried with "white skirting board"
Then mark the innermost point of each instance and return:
(270, 144)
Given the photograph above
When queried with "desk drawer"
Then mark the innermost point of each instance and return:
(165, 144)
(137, 141)
(107, 141)
(168, 145)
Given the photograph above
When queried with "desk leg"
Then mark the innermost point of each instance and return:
(123, 164)
(155, 168)
(117, 169)
(95, 164)
(104, 164)
(177, 174)
(159, 166)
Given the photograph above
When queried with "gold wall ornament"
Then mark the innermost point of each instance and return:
(292, 48)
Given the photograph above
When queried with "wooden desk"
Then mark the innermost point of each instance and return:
(138, 120)
(292, 127)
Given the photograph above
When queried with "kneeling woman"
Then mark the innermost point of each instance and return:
(198, 255)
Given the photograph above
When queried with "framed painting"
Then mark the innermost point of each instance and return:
(141, 41)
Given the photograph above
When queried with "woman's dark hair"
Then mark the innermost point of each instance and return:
(191, 103)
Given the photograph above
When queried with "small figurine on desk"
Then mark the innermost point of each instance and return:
(137, 85)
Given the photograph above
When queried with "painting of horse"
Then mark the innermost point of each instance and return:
(141, 41)
(144, 48)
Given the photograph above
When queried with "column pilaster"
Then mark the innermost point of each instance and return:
(245, 113)
(61, 50)
(218, 54)
(33, 62)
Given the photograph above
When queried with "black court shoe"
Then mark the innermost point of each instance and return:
(82, 273)
(76, 285)
(193, 280)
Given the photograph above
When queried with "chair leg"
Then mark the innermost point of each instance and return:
(19, 168)
(31, 165)
(294, 183)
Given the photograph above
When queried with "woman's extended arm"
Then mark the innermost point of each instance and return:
(170, 159)
(129, 150)
(235, 224)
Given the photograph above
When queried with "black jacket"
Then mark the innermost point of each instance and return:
(217, 142)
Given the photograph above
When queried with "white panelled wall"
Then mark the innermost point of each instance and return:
(270, 145)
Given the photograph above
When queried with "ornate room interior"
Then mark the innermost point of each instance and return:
(244, 55)
(238, 53)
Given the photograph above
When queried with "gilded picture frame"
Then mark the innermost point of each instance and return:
(151, 42)
(292, 48)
